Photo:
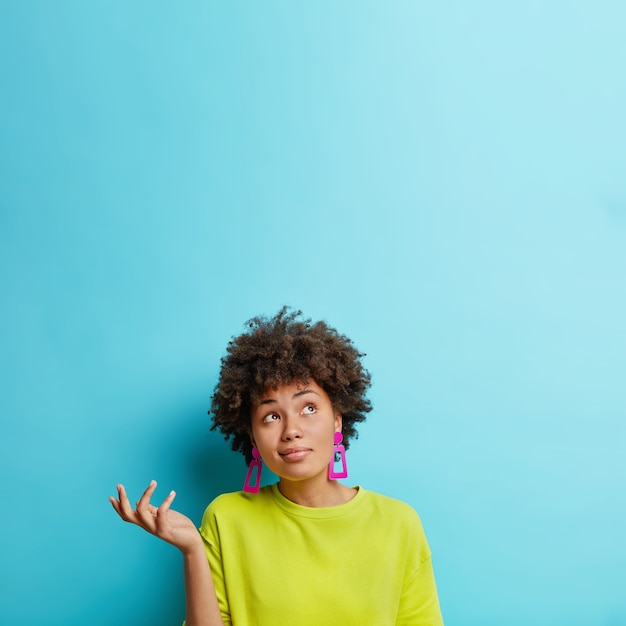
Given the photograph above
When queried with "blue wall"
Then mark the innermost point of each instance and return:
(444, 182)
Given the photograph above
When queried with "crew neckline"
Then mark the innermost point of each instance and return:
(324, 512)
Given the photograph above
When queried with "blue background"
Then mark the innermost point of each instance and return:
(443, 182)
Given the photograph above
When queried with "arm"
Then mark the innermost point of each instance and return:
(201, 601)
(179, 530)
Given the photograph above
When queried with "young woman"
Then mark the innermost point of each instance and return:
(307, 550)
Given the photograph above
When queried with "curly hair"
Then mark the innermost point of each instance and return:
(281, 350)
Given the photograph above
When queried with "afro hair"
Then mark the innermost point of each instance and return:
(280, 350)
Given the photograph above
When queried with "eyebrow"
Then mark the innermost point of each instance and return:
(295, 395)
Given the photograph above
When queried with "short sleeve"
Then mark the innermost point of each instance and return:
(210, 536)
(419, 603)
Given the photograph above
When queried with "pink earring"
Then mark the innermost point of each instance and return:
(341, 451)
(254, 464)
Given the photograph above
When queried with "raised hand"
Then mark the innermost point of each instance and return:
(161, 521)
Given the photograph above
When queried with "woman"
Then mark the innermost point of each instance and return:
(307, 550)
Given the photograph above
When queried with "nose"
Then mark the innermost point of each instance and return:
(291, 429)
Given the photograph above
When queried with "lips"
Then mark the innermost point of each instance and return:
(295, 454)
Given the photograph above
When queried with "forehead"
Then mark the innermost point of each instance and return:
(289, 390)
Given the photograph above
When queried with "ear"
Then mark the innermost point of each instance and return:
(338, 422)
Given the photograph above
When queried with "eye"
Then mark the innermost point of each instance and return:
(309, 409)
(270, 417)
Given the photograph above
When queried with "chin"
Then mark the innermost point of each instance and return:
(296, 475)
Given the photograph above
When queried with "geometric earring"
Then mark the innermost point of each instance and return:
(254, 464)
(341, 451)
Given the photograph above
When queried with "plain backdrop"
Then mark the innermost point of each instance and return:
(442, 182)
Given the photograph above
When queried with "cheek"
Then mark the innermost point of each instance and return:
(263, 440)
(326, 435)
(258, 439)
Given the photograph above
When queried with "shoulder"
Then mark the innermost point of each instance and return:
(226, 501)
(395, 514)
(391, 506)
(236, 504)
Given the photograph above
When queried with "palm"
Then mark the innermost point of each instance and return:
(161, 521)
(175, 528)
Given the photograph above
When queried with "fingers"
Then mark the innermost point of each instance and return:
(143, 504)
(161, 512)
(123, 507)
(146, 515)
(115, 504)
(143, 512)
(166, 504)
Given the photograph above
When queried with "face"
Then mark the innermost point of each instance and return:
(293, 428)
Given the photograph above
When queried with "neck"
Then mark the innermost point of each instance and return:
(316, 494)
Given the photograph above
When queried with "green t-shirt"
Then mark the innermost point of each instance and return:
(362, 563)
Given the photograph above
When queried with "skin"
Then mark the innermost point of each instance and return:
(180, 531)
(293, 427)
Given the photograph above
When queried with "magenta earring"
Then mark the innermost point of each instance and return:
(254, 464)
(341, 451)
